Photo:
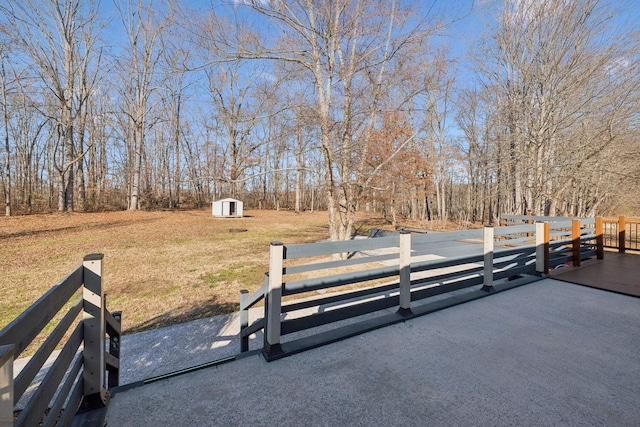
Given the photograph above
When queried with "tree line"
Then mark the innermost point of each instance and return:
(343, 105)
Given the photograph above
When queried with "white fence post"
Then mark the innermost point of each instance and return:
(274, 300)
(94, 331)
(6, 385)
(405, 273)
(488, 258)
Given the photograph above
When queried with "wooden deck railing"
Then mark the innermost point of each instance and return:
(622, 234)
(79, 378)
(295, 270)
(567, 241)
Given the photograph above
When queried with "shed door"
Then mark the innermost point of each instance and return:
(232, 208)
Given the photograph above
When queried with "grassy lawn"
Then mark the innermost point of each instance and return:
(160, 268)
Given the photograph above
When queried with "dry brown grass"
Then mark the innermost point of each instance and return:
(160, 267)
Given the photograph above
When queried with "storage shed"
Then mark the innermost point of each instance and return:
(227, 208)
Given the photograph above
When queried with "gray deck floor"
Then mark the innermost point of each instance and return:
(547, 353)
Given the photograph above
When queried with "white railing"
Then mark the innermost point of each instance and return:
(500, 254)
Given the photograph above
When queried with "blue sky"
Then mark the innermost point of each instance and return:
(468, 18)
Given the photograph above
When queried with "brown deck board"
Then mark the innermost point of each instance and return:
(616, 272)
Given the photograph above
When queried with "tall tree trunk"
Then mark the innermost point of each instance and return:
(299, 171)
(69, 166)
(81, 184)
(7, 147)
(134, 201)
(176, 141)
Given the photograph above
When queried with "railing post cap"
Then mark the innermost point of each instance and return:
(244, 291)
(6, 352)
(404, 232)
(93, 257)
(276, 243)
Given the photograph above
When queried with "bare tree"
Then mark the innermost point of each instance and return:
(241, 104)
(440, 148)
(7, 147)
(58, 37)
(139, 67)
(355, 53)
(555, 69)
(177, 56)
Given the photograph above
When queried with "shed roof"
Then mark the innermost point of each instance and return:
(228, 199)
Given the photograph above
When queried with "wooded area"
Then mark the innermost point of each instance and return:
(342, 105)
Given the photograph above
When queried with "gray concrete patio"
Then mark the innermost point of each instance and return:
(547, 353)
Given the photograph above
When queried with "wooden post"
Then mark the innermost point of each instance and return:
(542, 248)
(274, 301)
(94, 333)
(488, 258)
(599, 238)
(6, 385)
(622, 234)
(405, 273)
(575, 242)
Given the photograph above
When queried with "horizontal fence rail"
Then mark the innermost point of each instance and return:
(83, 370)
(508, 220)
(400, 270)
